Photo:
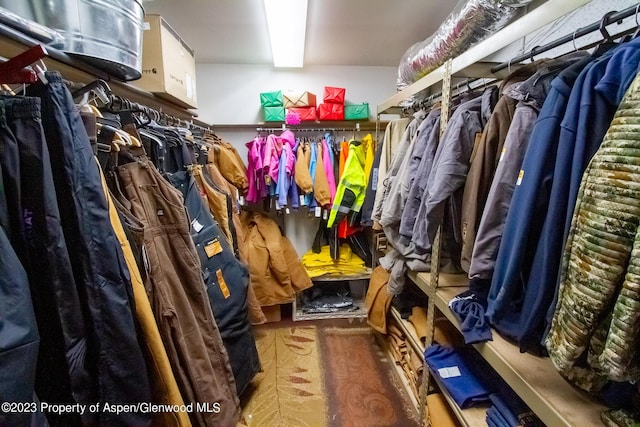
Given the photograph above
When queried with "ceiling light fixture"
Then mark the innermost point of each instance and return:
(287, 21)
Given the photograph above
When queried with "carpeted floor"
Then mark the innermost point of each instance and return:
(326, 373)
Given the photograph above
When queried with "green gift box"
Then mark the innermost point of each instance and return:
(271, 99)
(356, 112)
(273, 114)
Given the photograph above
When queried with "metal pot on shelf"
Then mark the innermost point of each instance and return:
(105, 33)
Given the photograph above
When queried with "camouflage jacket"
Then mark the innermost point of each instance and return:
(599, 289)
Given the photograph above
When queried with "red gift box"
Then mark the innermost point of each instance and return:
(331, 112)
(333, 95)
(306, 113)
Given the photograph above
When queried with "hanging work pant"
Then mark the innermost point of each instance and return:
(100, 272)
(177, 295)
(62, 375)
(226, 280)
(19, 338)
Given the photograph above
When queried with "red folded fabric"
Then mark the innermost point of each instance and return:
(306, 113)
(331, 112)
(333, 95)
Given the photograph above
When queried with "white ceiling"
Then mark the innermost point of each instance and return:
(339, 32)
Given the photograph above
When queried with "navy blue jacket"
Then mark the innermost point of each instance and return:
(523, 225)
(598, 104)
(531, 196)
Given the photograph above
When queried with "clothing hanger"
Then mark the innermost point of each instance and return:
(100, 89)
(533, 52)
(15, 69)
(636, 33)
(607, 41)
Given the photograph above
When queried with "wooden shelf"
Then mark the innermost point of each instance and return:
(13, 43)
(470, 417)
(533, 378)
(384, 343)
(414, 341)
(365, 125)
(342, 277)
(470, 62)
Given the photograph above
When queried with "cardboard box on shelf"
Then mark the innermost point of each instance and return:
(168, 64)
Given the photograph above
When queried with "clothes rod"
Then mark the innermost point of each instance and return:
(311, 129)
(468, 85)
(601, 25)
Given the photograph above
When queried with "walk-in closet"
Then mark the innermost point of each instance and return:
(320, 213)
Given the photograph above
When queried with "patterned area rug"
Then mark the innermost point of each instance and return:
(289, 391)
(322, 375)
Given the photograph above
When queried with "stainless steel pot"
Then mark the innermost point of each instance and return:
(105, 33)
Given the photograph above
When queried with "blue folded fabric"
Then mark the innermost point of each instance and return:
(490, 421)
(500, 405)
(456, 376)
(494, 415)
(508, 402)
(469, 307)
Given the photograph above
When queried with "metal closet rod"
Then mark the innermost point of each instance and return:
(125, 103)
(355, 128)
(459, 89)
(601, 25)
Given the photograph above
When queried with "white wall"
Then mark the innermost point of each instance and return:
(230, 94)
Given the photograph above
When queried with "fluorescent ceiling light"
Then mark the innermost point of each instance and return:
(287, 21)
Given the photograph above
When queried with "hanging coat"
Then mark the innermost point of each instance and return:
(255, 169)
(302, 174)
(352, 186)
(275, 267)
(603, 237)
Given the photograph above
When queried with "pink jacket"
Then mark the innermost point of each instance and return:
(328, 168)
(271, 157)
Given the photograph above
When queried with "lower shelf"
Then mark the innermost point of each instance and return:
(384, 343)
(326, 299)
(534, 378)
(470, 417)
(357, 311)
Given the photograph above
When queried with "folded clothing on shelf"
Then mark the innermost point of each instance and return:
(320, 264)
(455, 374)
(439, 413)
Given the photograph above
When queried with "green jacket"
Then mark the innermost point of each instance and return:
(352, 186)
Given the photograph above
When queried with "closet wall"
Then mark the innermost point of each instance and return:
(228, 94)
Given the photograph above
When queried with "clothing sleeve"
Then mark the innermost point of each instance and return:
(232, 167)
(321, 189)
(282, 187)
(416, 192)
(302, 175)
(483, 166)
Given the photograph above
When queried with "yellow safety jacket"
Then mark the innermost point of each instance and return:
(353, 184)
